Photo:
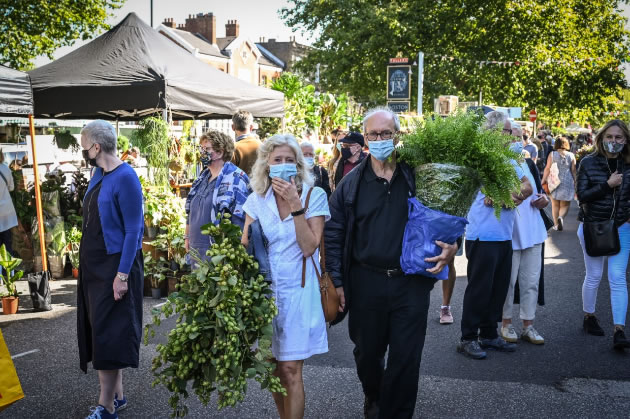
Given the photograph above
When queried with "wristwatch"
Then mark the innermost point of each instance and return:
(298, 212)
(122, 277)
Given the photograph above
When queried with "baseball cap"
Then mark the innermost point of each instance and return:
(353, 138)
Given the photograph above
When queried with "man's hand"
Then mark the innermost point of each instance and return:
(541, 201)
(487, 202)
(444, 258)
(517, 199)
(120, 288)
(342, 299)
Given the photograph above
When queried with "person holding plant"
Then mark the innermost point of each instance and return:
(528, 237)
(111, 274)
(282, 185)
(387, 309)
(319, 173)
(220, 188)
(603, 189)
(489, 252)
(563, 193)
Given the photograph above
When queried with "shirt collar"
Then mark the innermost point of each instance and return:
(240, 137)
(370, 176)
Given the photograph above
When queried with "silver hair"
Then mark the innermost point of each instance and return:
(380, 109)
(102, 133)
(259, 178)
(516, 125)
(494, 119)
(307, 144)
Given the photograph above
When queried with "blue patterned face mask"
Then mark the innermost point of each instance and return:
(284, 171)
(614, 147)
(517, 147)
(310, 161)
(381, 150)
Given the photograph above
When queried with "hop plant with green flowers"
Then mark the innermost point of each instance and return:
(225, 308)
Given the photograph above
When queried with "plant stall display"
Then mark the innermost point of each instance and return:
(453, 158)
(152, 139)
(64, 140)
(224, 307)
(74, 235)
(9, 275)
(57, 250)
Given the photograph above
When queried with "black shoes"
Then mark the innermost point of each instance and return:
(592, 327)
(370, 409)
(497, 344)
(471, 349)
(620, 341)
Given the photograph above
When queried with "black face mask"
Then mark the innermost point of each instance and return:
(346, 153)
(86, 157)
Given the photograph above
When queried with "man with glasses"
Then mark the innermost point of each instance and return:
(387, 308)
(351, 155)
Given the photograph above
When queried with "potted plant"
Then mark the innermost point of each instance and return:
(9, 275)
(74, 244)
(57, 250)
(156, 271)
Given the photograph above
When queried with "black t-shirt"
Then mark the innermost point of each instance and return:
(380, 217)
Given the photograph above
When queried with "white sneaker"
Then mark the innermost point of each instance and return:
(509, 334)
(531, 335)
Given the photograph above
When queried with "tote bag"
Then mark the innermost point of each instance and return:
(10, 388)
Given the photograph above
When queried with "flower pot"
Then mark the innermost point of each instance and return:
(75, 273)
(151, 232)
(156, 293)
(57, 265)
(10, 305)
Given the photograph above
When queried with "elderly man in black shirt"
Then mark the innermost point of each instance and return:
(363, 247)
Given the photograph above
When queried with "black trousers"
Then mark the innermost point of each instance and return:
(389, 313)
(489, 270)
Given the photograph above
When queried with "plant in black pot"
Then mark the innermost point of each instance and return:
(9, 275)
(156, 270)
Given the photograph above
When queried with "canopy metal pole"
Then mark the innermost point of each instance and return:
(38, 197)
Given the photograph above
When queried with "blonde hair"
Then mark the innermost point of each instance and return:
(259, 179)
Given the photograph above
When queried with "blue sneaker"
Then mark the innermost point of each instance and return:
(99, 412)
(119, 404)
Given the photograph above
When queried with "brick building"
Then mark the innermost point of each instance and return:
(233, 54)
(289, 52)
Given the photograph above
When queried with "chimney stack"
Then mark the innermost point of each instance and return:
(231, 28)
(206, 25)
(169, 23)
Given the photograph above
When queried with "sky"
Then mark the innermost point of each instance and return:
(256, 18)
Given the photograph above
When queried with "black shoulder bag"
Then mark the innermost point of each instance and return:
(601, 238)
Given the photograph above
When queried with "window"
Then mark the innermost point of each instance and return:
(264, 80)
(244, 55)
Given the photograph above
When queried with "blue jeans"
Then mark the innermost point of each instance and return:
(617, 265)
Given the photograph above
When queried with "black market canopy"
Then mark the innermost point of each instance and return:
(133, 71)
(16, 97)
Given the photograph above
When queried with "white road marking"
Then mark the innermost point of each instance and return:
(25, 353)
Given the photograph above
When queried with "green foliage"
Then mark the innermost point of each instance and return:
(58, 246)
(459, 140)
(268, 127)
(122, 144)
(74, 255)
(224, 307)
(544, 37)
(32, 28)
(65, 140)
(10, 275)
(155, 270)
(152, 139)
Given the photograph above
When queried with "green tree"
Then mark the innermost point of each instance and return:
(32, 28)
(568, 51)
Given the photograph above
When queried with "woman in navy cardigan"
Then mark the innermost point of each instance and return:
(111, 277)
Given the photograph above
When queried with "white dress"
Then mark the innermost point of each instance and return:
(299, 329)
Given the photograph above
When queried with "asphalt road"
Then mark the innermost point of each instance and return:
(572, 375)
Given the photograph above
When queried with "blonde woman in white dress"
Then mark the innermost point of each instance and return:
(281, 182)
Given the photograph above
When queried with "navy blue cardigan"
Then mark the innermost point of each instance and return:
(121, 212)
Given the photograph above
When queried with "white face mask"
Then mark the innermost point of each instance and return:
(310, 161)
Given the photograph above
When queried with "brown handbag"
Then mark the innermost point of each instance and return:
(328, 293)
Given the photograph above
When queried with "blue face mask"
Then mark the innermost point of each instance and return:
(310, 161)
(284, 171)
(339, 146)
(381, 150)
(517, 147)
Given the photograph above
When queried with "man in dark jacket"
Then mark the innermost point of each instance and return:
(387, 309)
(351, 155)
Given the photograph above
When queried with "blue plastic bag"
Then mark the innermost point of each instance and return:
(424, 227)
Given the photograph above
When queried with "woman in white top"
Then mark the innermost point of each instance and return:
(527, 238)
(281, 182)
(8, 217)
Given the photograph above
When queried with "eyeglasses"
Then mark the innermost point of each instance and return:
(204, 150)
(615, 138)
(385, 135)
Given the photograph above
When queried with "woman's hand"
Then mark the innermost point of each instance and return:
(288, 192)
(120, 288)
(540, 202)
(615, 179)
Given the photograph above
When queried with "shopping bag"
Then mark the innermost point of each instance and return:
(553, 181)
(10, 388)
(423, 228)
(40, 290)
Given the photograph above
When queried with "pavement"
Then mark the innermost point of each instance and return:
(573, 375)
